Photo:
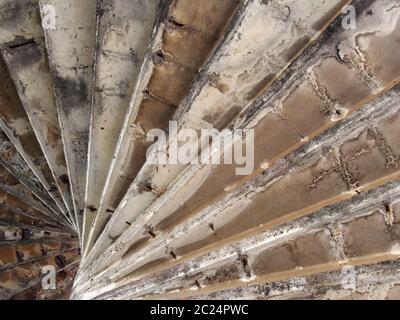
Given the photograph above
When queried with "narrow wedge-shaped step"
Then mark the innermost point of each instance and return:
(177, 52)
(258, 204)
(70, 48)
(124, 31)
(23, 49)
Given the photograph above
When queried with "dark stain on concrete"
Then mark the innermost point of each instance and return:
(23, 52)
(9, 12)
(72, 93)
(322, 22)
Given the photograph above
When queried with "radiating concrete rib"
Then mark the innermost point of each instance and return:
(229, 217)
(15, 124)
(244, 259)
(263, 202)
(177, 53)
(373, 282)
(274, 56)
(123, 34)
(284, 111)
(13, 186)
(16, 165)
(70, 48)
(10, 235)
(269, 144)
(16, 206)
(16, 217)
(21, 41)
(17, 254)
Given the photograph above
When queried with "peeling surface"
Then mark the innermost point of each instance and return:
(17, 280)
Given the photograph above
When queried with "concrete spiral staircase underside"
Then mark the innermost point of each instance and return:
(77, 191)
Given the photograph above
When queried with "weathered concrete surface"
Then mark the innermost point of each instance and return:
(13, 186)
(31, 235)
(70, 48)
(287, 126)
(219, 223)
(22, 45)
(337, 233)
(287, 123)
(160, 177)
(323, 101)
(15, 124)
(16, 165)
(12, 216)
(362, 159)
(124, 29)
(373, 282)
(184, 37)
(14, 204)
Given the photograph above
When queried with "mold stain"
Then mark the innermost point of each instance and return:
(72, 92)
(23, 52)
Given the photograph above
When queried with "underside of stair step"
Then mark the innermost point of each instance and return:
(93, 94)
(23, 51)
